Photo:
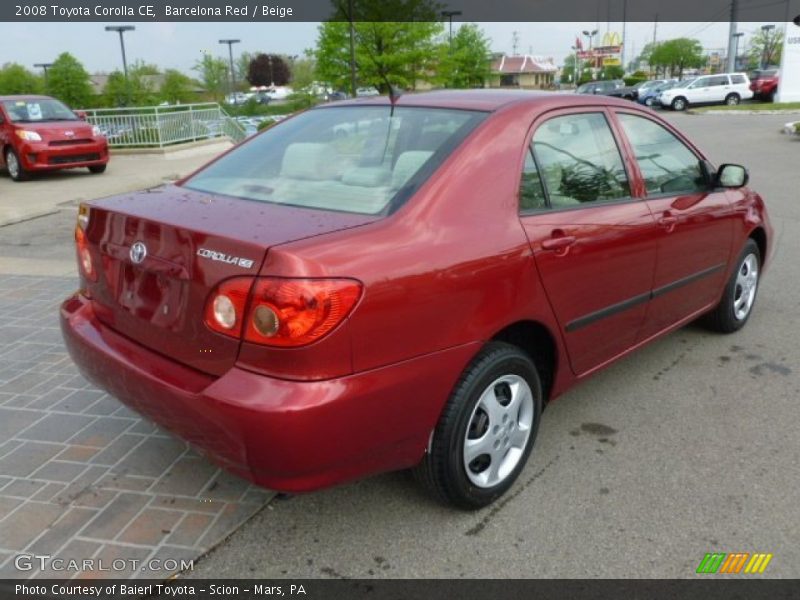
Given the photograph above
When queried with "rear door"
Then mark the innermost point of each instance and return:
(695, 223)
(593, 243)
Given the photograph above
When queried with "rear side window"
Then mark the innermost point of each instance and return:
(360, 159)
(579, 161)
(737, 79)
(667, 165)
(531, 192)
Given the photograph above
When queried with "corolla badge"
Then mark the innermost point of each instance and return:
(226, 258)
(138, 252)
(69, 133)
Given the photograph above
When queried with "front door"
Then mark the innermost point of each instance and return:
(594, 244)
(695, 223)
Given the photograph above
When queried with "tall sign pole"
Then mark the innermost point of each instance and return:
(789, 88)
(732, 36)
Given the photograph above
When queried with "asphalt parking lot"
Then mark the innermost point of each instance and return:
(687, 447)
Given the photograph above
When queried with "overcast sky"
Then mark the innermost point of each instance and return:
(178, 45)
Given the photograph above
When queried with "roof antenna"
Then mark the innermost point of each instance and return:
(394, 96)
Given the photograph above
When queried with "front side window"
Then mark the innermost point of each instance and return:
(666, 163)
(579, 161)
(360, 159)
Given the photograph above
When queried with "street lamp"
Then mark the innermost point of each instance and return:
(590, 35)
(766, 55)
(121, 29)
(44, 66)
(449, 14)
(736, 50)
(233, 73)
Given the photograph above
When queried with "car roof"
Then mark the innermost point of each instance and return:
(488, 100)
(25, 97)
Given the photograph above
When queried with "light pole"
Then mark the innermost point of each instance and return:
(575, 67)
(44, 66)
(233, 73)
(766, 55)
(590, 35)
(121, 29)
(736, 50)
(352, 49)
(449, 14)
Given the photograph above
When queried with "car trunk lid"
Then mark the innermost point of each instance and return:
(159, 253)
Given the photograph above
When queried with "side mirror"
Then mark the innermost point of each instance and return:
(732, 176)
(81, 114)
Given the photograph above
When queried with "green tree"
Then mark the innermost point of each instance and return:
(386, 52)
(303, 72)
(214, 75)
(242, 65)
(765, 48)
(68, 81)
(16, 79)
(466, 63)
(678, 54)
(176, 88)
(137, 90)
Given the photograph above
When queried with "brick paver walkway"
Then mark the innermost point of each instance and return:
(81, 476)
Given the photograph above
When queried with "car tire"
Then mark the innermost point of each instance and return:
(732, 99)
(495, 406)
(679, 103)
(97, 169)
(740, 292)
(14, 166)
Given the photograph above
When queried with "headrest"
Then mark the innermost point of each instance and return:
(305, 161)
(408, 163)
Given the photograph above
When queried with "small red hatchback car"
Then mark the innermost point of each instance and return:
(38, 133)
(367, 286)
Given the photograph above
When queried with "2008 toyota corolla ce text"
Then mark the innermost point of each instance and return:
(381, 284)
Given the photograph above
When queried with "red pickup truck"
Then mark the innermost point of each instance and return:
(764, 84)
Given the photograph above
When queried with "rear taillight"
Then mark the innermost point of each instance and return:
(226, 306)
(281, 312)
(82, 244)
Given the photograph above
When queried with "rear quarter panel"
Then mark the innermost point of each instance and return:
(451, 267)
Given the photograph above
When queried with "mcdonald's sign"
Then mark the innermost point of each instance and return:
(612, 38)
(734, 563)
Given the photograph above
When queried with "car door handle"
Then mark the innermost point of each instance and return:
(559, 243)
(668, 222)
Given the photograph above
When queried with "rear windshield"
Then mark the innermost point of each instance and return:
(32, 110)
(357, 159)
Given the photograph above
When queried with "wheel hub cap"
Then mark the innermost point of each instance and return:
(498, 431)
(744, 292)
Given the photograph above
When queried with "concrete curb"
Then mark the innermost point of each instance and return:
(168, 149)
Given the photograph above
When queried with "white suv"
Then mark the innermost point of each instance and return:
(725, 88)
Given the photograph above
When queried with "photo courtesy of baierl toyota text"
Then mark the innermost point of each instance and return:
(392, 299)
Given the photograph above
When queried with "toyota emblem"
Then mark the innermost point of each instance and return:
(69, 133)
(138, 252)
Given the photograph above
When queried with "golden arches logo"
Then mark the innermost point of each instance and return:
(612, 38)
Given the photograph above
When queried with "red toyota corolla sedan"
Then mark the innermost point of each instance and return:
(367, 287)
(39, 133)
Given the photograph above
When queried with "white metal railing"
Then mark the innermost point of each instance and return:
(160, 126)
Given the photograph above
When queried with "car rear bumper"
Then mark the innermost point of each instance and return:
(40, 156)
(289, 436)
